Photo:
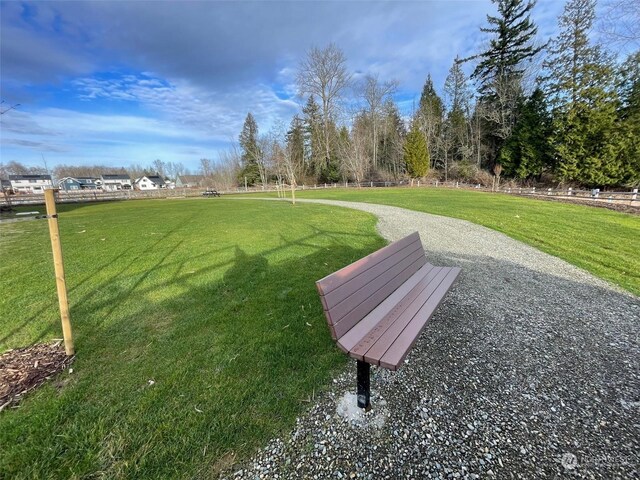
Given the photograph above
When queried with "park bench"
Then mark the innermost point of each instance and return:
(377, 306)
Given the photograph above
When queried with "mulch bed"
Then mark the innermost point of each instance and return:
(618, 207)
(25, 369)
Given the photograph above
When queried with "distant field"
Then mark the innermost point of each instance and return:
(198, 331)
(601, 241)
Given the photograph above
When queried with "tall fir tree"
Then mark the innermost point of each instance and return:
(501, 68)
(295, 141)
(250, 152)
(629, 119)
(527, 153)
(579, 81)
(391, 155)
(457, 140)
(429, 118)
(313, 137)
(416, 154)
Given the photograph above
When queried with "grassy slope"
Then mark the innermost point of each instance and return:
(603, 242)
(208, 298)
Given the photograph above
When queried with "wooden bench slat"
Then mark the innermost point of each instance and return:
(378, 340)
(333, 281)
(383, 342)
(350, 339)
(377, 281)
(400, 348)
(347, 322)
(349, 288)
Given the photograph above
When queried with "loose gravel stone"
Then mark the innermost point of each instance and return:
(529, 369)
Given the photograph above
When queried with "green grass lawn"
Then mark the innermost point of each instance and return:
(603, 242)
(212, 300)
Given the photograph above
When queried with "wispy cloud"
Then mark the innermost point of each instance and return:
(183, 75)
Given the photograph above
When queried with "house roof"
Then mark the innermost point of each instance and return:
(29, 177)
(190, 178)
(117, 176)
(157, 179)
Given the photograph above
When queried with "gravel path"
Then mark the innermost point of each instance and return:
(529, 369)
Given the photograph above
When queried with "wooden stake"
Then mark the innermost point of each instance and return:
(58, 264)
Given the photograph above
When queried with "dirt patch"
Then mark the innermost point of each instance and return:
(25, 369)
(618, 207)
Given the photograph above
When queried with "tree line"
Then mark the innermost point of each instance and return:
(572, 119)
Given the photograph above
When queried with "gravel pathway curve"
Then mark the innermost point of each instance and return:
(529, 369)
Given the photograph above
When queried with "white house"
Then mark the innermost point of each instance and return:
(150, 182)
(30, 183)
(187, 181)
(113, 182)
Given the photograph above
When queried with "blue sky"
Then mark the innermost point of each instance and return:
(117, 83)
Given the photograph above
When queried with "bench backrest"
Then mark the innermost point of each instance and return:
(349, 294)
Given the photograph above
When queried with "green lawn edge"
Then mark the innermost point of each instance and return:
(603, 242)
(199, 332)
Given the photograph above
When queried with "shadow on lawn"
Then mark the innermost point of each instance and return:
(232, 361)
(246, 350)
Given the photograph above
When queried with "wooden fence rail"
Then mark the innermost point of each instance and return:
(624, 197)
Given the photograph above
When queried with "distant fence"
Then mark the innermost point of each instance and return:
(84, 196)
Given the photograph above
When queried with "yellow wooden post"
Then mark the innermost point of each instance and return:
(58, 265)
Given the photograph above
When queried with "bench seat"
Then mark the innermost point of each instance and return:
(377, 306)
(387, 333)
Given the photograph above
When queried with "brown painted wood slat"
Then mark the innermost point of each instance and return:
(347, 322)
(383, 342)
(338, 295)
(350, 339)
(333, 281)
(399, 349)
(376, 343)
(339, 310)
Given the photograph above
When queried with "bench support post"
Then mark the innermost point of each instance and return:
(364, 386)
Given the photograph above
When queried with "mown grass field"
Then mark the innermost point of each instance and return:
(603, 242)
(212, 300)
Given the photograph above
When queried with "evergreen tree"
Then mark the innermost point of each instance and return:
(456, 133)
(250, 152)
(501, 68)
(430, 113)
(391, 154)
(579, 81)
(629, 119)
(313, 137)
(527, 152)
(416, 154)
(295, 140)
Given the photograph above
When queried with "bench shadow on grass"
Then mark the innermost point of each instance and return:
(232, 363)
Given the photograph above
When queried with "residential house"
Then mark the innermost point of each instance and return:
(5, 185)
(69, 184)
(113, 182)
(150, 182)
(30, 183)
(90, 183)
(187, 181)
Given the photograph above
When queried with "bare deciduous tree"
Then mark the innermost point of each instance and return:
(374, 94)
(620, 22)
(323, 74)
(354, 154)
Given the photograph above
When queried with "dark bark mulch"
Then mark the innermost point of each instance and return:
(25, 369)
(618, 207)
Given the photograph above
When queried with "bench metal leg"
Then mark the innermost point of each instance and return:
(364, 387)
